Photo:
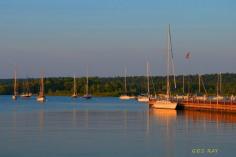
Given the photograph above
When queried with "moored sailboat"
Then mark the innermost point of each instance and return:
(26, 93)
(218, 96)
(199, 96)
(167, 103)
(87, 95)
(125, 96)
(14, 96)
(41, 96)
(75, 94)
(145, 98)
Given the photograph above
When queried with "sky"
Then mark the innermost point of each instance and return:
(65, 37)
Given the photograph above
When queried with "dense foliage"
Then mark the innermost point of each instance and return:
(114, 86)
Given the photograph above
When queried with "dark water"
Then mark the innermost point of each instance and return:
(109, 127)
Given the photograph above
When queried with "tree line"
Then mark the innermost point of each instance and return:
(114, 86)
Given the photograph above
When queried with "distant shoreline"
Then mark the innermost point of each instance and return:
(114, 86)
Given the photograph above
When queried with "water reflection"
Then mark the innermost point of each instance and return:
(167, 120)
(218, 117)
(144, 120)
(138, 133)
(41, 120)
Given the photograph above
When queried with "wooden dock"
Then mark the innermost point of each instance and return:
(220, 106)
(207, 105)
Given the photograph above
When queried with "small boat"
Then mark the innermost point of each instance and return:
(41, 96)
(166, 102)
(218, 97)
(201, 98)
(14, 96)
(87, 95)
(125, 96)
(41, 99)
(75, 95)
(232, 98)
(182, 96)
(145, 98)
(27, 93)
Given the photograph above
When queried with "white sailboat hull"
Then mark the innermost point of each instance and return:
(74, 96)
(164, 104)
(143, 99)
(201, 98)
(14, 97)
(125, 97)
(40, 99)
(26, 95)
(218, 98)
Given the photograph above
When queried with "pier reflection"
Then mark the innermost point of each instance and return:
(208, 116)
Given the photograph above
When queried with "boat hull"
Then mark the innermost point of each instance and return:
(218, 98)
(143, 99)
(14, 97)
(41, 99)
(164, 104)
(74, 96)
(87, 96)
(26, 95)
(125, 97)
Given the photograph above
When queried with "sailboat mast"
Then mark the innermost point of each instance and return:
(27, 87)
(42, 86)
(15, 83)
(148, 89)
(75, 86)
(199, 83)
(220, 83)
(87, 83)
(183, 84)
(125, 81)
(168, 65)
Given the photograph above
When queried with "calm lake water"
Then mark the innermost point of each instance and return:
(109, 127)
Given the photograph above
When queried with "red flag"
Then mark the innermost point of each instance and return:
(188, 54)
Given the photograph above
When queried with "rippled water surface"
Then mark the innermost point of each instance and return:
(109, 127)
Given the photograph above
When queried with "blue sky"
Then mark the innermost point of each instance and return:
(63, 37)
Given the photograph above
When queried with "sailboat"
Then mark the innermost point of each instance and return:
(75, 95)
(14, 96)
(87, 95)
(41, 96)
(182, 96)
(199, 96)
(166, 102)
(145, 98)
(218, 97)
(125, 96)
(27, 92)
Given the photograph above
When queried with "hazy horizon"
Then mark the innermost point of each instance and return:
(65, 37)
